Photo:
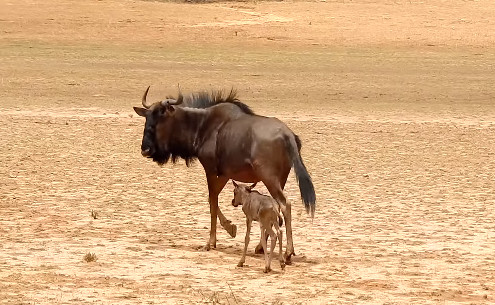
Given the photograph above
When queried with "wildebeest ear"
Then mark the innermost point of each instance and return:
(170, 110)
(252, 186)
(140, 111)
(235, 184)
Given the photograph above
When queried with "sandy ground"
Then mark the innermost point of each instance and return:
(394, 102)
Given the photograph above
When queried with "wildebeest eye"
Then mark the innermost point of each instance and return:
(160, 111)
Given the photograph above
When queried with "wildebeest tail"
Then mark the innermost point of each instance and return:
(306, 187)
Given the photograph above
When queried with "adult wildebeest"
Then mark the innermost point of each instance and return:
(231, 142)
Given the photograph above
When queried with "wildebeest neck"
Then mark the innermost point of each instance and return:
(182, 137)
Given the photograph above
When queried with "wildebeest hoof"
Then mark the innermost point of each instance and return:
(267, 269)
(232, 230)
(282, 265)
(288, 260)
(259, 249)
(206, 247)
(229, 227)
(240, 264)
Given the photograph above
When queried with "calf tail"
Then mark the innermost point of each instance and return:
(306, 187)
(280, 220)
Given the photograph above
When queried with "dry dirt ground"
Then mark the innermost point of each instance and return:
(394, 102)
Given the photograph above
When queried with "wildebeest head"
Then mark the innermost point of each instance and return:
(241, 192)
(158, 127)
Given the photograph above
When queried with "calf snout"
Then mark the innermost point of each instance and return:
(235, 203)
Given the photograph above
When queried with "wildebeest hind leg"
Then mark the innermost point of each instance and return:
(277, 194)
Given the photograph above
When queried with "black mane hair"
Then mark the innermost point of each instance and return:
(162, 157)
(204, 100)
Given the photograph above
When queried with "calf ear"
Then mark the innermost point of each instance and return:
(140, 111)
(252, 186)
(235, 184)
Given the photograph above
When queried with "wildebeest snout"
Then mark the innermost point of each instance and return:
(147, 149)
(146, 152)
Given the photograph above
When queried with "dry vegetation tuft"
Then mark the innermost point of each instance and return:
(90, 257)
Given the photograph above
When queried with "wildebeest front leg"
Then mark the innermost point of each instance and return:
(259, 247)
(215, 186)
(227, 224)
(212, 241)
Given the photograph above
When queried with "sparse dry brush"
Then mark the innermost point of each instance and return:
(90, 257)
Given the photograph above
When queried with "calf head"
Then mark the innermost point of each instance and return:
(241, 192)
(158, 127)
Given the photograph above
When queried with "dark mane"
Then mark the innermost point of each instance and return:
(204, 99)
(162, 157)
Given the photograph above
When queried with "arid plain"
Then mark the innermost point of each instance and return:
(394, 102)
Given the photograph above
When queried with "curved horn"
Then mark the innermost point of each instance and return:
(180, 98)
(145, 104)
(172, 102)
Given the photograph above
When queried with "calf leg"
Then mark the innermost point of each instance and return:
(273, 241)
(280, 238)
(246, 242)
(263, 243)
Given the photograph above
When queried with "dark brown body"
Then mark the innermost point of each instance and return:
(242, 147)
(231, 143)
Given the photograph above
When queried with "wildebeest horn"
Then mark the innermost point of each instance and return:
(169, 101)
(180, 98)
(145, 105)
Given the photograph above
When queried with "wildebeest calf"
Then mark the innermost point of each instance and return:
(266, 211)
